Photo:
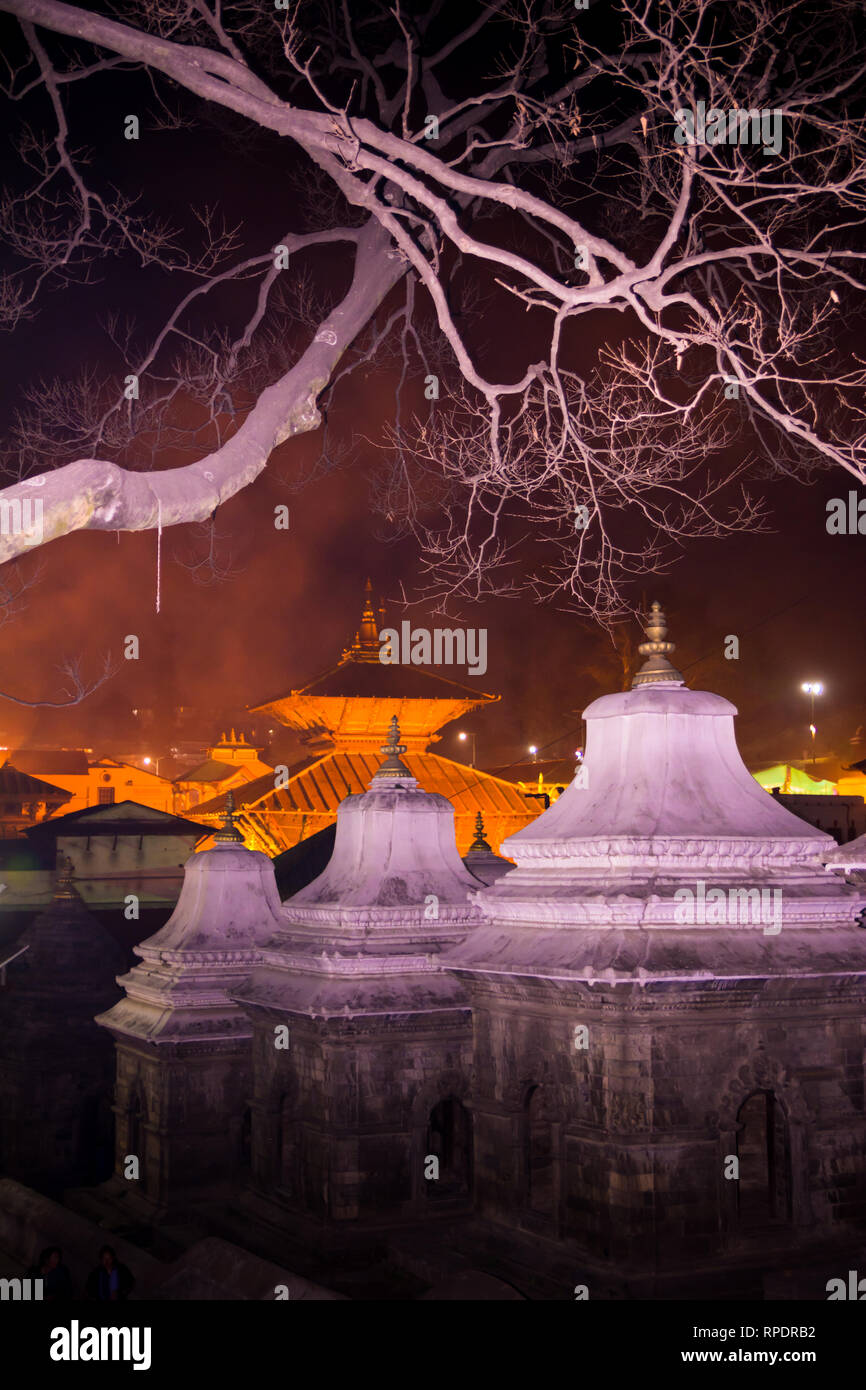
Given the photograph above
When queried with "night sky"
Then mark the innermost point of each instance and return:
(292, 599)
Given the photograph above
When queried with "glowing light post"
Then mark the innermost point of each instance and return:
(463, 737)
(147, 762)
(812, 688)
(534, 751)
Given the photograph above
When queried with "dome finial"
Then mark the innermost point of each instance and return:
(479, 843)
(228, 834)
(656, 668)
(393, 766)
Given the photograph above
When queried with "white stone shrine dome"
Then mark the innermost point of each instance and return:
(367, 937)
(229, 900)
(662, 782)
(395, 847)
(180, 993)
(665, 858)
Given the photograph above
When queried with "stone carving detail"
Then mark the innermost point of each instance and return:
(763, 1074)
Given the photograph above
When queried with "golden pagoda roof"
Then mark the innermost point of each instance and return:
(348, 706)
(277, 818)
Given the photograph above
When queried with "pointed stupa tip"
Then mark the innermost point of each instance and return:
(368, 615)
(65, 887)
(228, 834)
(479, 843)
(393, 767)
(656, 667)
(365, 646)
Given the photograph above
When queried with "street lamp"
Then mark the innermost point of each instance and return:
(463, 737)
(534, 751)
(812, 688)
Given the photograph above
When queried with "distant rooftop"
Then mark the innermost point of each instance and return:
(15, 783)
(67, 762)
(117, 818)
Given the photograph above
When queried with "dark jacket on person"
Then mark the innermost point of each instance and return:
(56, 1283)
(101, 1282)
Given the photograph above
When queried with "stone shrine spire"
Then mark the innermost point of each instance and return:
(480, 859)
(393, 766)
(656, 668)
(479, 843)
(228, 834)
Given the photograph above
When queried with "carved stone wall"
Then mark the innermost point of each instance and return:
(642, 1120)
(341, 1115)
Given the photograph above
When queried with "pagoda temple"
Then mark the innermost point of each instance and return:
(340, 717)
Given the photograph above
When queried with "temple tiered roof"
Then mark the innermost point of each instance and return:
(347, 707)
(341, 716)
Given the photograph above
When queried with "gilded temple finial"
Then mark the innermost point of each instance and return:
(656, 667)
(365, 646)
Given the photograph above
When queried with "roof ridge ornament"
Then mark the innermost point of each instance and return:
(656, 668)
(393, 767)
(228, 834)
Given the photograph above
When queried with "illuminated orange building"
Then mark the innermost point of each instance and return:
(95, 783)
(228, 765)
(342, 717)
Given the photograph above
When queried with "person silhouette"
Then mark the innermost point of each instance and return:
(56, 1279)
(110, 1280)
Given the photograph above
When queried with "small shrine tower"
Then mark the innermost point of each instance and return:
(362, 1046)
(183, 1047)
(669, 995)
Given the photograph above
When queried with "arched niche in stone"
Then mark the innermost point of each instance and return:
(449, 1140)
(437, 1109)
(764, 1076)
(764, 1155)
(541, 1165)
